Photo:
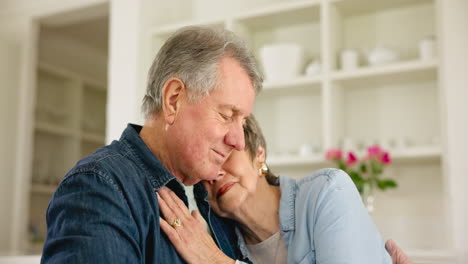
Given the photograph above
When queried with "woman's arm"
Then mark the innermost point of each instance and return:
(189, 237)
(343, 231)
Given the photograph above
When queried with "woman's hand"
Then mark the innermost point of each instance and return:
(188, 235)
(397, 254)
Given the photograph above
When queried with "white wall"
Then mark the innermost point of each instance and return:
(454, 79)
(129, 39)
(124, 67)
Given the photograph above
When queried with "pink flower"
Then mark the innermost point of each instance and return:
(374, 151)
(351, 159)
(334, 154)
(385, 158)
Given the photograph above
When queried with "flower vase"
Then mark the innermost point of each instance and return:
(368, 197)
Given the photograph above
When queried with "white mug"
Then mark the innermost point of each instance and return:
(305, 150)
(349, 59)
(427, 48)
(313, 68)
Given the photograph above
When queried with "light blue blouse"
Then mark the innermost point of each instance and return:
(323, 220)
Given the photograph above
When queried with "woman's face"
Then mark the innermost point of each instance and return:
(236, 183)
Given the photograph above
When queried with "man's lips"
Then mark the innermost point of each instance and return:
(220, 157)
(224, 189)
(219, 153)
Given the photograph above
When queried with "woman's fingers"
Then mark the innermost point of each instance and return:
(197, 215)
(170, 232)
(397, 254)
(183, 208)
(190, 238)
(165, 209)
(174, 203)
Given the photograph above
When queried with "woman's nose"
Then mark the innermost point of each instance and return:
(221, 173)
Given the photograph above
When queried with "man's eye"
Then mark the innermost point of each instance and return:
(226, 117)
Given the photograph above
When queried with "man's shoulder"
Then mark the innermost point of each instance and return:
(109, 173)
(110, 164)
(101, 161)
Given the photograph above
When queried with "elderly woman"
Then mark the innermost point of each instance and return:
(317, 219)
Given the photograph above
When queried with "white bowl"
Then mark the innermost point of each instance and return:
(281, 61)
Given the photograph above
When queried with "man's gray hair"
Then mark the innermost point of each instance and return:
(192, 54)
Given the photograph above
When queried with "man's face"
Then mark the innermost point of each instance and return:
(205, 133)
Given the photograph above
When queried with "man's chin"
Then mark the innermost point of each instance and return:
(191, 182)
(193, 179)
(212, 174)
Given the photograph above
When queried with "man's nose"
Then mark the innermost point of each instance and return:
(235, 136)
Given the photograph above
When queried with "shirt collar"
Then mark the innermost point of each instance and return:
(157, 174)
(287, 203)
(241, 244)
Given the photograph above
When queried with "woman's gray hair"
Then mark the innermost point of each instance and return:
(192, 54)
(253, 139)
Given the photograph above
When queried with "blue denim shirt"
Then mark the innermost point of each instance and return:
(105, 210)
(323, 221)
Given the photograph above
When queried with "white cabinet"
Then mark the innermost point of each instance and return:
(395, 104)
(69, 125)
(68, 117)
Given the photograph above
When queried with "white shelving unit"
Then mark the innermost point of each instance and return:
(395, 102)
(70, 124)
(303, 81)
(396, 70)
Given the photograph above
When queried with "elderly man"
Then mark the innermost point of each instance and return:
(201, 87)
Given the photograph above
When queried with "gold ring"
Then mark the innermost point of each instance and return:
(176, 223)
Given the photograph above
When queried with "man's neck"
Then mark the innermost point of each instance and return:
(153, 136)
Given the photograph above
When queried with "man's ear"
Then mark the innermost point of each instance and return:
(173, 94)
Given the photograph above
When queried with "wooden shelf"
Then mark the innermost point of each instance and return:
(398, 70)
(357, 7)
(431, 256)
(429, 152)
(289, 11)
(93, 138)
(57, 71)
(410, 154)
(166, 30)
(301, 81)
(43, 189)
(25, 257)
(295, 160)
(55, 129)
(281, 14)
(66, 74)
